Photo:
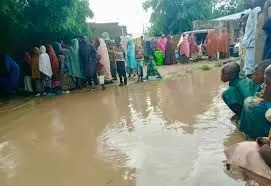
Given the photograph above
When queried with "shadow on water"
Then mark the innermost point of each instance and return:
(166, 133)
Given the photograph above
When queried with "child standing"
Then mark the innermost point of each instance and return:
(111, 53)
(140, 61)
(120, 60)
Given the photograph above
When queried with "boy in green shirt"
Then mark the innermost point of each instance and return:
(239, 88)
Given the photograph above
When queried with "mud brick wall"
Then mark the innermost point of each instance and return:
(232, 27)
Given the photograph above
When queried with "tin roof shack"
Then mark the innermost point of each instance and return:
(230, 22)
(113, 29)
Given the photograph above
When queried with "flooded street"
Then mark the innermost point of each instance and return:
(160, 133)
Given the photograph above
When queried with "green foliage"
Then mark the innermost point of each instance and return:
(176, 16)
(218, 64)
(205, 67)
(253, 3)
(31, 22)
(227, 7)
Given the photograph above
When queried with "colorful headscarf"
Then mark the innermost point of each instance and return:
(54, 62)
(103, 52)
(162, 43)
(74, 60)
(184, 49)
(35, 54)
(131, 58)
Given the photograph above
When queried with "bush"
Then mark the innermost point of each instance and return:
(205, 67)
(218, 64)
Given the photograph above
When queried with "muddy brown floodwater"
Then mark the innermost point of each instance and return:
(161, 133)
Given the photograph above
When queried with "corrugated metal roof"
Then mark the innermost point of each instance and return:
(233, 16)
(198, 31)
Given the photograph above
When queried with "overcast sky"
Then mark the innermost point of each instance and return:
(126, 12)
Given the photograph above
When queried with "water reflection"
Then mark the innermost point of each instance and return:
(154, 134)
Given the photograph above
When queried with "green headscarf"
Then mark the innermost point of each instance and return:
(76, 70)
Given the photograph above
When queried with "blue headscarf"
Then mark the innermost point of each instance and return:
(131, 57)
(149, 48)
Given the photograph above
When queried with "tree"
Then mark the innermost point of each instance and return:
(253, 3)
(176, 16)
(31, 22)
(227, 7)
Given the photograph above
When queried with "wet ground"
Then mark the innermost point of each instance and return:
(160, 133)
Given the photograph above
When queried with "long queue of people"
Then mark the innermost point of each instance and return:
(58, 68)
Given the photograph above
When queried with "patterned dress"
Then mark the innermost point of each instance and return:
(253, 120)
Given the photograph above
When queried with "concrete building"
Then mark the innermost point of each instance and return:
(114, 29)
(230, 22)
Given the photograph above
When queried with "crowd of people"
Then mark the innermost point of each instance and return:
(249, 99)
(249, 92)
(214, 46)
(58, 68)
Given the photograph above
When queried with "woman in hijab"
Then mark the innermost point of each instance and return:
(9, 75)
(192, 45)
(55, 67)
(131, 58)
(184, 48)
(249, 41)
(110, 48)
(88, 57)
(223, 44)
(65, 78)
(76, 70)
(170, 57)
(151, 68)
(35, 72)
(104, 58)
(46, 70)
(211, 42)
(161, 44)
(26, 73)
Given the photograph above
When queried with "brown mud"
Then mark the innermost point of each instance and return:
(161, 133)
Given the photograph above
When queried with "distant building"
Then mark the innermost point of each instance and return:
(230, 22)
(114, 29)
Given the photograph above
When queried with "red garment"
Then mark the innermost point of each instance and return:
(211, 44)
(27, 58)
(192, 44)
(185, 48)
(223, 45)
(162, 44)
(100, 69)
(54, 63)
